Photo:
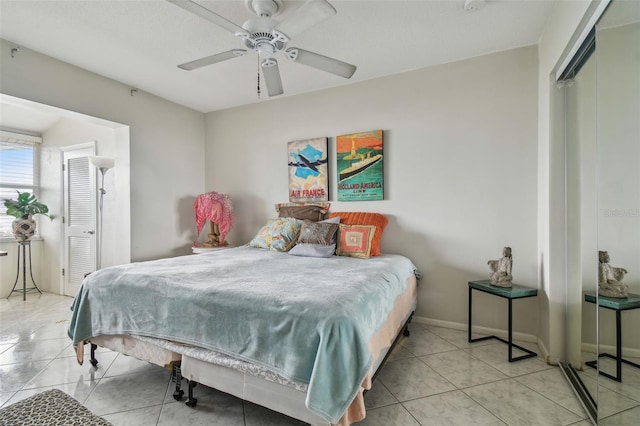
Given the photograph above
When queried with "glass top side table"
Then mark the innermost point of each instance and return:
(509, 293)
(618, 305)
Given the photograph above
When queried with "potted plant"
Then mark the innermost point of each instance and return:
(23, 208)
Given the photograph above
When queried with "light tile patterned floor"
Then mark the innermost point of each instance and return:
(435, 377)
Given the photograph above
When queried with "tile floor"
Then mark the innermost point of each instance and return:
(434, 378)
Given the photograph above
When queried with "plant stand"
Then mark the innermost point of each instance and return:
(23, 253)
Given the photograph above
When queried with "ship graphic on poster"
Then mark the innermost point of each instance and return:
(360, 166)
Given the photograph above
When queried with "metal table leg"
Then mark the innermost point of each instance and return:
(509, 342)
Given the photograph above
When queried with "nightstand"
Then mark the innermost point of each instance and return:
(510, 293)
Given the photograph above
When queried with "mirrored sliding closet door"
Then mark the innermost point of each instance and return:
(601, 96)
(618, 222)
(579, 96)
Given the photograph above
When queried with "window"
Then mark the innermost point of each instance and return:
(18, 171)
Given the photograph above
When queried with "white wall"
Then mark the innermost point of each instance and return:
(441, 131)
(460, 171)
(64, 133)
(167, 144)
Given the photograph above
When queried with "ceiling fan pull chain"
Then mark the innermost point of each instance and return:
(258, 77)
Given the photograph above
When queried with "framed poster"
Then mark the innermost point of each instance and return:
(308, 177)
(359, 163)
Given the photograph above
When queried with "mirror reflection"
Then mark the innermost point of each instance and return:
(602, 137)
(580, 141)
(618, 224)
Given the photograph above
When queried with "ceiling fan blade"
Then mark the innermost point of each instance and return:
(207, 14)
(306, 16)
(213, 59)
(271, 75)
(321, 62)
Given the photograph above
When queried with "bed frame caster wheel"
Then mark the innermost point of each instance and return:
(406, 332)
(94, 362)
(177, 395)
(192, 402)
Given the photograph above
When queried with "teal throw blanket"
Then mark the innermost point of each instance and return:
(308, 319)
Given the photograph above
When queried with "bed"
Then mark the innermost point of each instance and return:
(302, 336)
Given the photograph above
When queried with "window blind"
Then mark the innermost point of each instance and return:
(18, 172)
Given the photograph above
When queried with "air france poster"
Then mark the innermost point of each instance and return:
(308, 177)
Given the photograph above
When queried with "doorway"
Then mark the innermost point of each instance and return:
(79, 216)
(62, 128)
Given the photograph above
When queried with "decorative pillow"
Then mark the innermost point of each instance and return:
(335, 219)
(313, 250)
(365, 218)
(317, 232)
(324, 204)
(278, 234)
(302, 211)
(356, 240)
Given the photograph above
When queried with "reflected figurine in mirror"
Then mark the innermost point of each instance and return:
(500, 275)
(610, 278)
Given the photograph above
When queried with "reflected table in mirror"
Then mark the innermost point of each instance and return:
(618, 305)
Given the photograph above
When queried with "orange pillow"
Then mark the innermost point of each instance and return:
(365, 218)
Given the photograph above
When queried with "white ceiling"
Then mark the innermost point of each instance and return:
(140, 43)
(22, 118)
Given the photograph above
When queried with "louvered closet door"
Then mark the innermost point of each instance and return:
(80, 217)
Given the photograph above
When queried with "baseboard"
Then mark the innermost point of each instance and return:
(626, 352)
(546, 355)
(524, 337)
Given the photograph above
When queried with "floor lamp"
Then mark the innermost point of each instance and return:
(102, 164)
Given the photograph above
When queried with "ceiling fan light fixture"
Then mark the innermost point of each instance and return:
(260, 36)
(265, 50)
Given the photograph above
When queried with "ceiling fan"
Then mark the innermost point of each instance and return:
(266, 36)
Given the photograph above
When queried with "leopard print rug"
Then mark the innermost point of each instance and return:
(49, 408)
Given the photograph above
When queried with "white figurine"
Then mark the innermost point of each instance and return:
(501, 269)
(610, 278)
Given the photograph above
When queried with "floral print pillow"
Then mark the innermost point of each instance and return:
(279, 234)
